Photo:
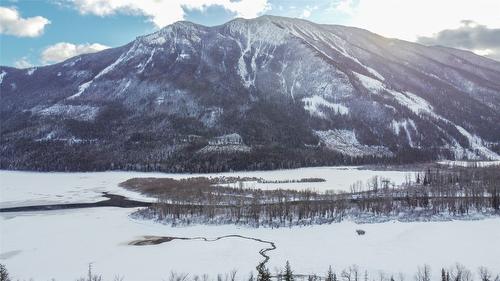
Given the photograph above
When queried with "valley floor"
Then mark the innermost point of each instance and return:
(61, 244)
(32, 188)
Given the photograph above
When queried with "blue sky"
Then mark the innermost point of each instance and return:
(36, 32)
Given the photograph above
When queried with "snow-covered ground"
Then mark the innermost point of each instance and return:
(345, 141)
(60, 244)
(470, 163)
(32, 188)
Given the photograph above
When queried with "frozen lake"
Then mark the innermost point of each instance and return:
(60, 244)
(32, 188)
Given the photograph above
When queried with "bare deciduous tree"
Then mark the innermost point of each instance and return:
(423, 273)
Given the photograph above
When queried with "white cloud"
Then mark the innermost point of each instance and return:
(305, 14)
(308, 11)
(63, 50)
(23, 63)
(470, 36)
(409, 19)
(344, 6)
(11, 23)
(164, 12)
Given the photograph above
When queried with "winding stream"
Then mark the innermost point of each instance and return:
(155, 240)
(123, 202)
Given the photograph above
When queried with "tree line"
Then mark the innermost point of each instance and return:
(456, 272)
(437, 191)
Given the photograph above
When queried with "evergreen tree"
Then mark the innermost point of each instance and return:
(288, 272)
(330, 275)
(263, 273)
(4, 275)
(443, 274)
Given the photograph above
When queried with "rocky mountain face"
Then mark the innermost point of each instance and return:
(269, 92)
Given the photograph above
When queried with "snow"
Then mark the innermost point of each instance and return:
(242, 66)
(2, 75)
(79, 112)
(392, 246)
(419, 106)
(81, 89)
(476, 149)
(310, 33)
(340, 45)
(72, 62)
(413, 102)
(125, 87)
(374, 72)
(476, 144)
(370, 83)
(72, 239)
(258, 37)
(313, 105)
(345, 53)
(405, 123)
(160, 100)
(337, 178)
(470, 163)
(263, 30)
(345, 141)
(84, 86)
(143, 66)
(154, 39)
(212, 116)
(230, 148)
(30, 71)
(69, 140)
(184, 56)
(180, 32)
(33, 188)
(111, 66)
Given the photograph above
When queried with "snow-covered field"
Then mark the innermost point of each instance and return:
(470, 163)
(32, 188)
(60, 244)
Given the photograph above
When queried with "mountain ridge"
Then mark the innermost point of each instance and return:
(296, 92)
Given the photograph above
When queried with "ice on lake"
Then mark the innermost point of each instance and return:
(61, 244)
(33, 188)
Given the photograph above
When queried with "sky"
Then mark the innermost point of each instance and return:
(40, 32)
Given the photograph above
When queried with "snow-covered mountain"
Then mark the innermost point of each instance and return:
(294, 92)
